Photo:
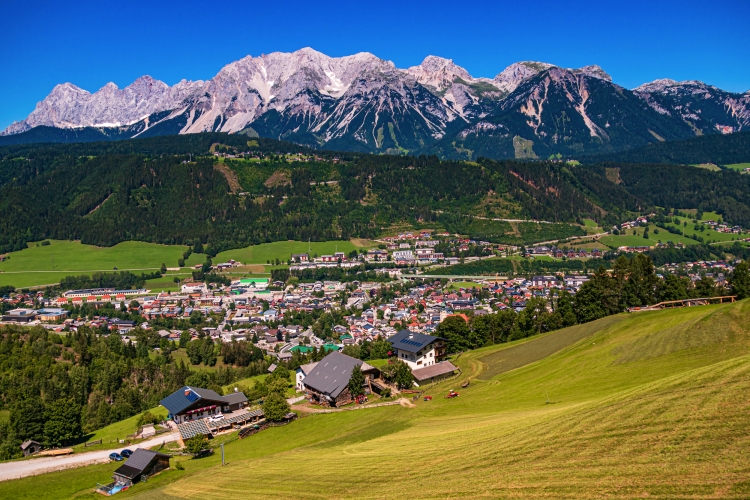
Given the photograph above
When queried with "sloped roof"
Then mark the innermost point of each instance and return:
(235, 397)
(442, 368)
(409, 341)
(332, 374)
(179, 401)
(138, 462)
(307, 368)
(193, 428)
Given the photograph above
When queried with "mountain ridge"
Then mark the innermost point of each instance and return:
(363, 103)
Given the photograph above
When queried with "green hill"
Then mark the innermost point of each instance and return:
(650, 404)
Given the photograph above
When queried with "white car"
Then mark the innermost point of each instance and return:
(216, 418)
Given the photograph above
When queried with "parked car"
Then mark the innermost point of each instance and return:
(216, 418)
(116, 457)
(126, 453)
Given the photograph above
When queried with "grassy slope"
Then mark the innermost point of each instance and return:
(648, 404)
(63, 258)
(114, 432)
(738, 166)
(283, 250)
(43, 265)
(629, 239)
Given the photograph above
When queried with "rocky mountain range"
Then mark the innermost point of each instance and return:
(363, 103)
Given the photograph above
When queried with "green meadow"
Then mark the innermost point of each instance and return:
(644, 405)
(45, 264)
(283, 250)
(627, 238)
(738, 166)
(42, 265)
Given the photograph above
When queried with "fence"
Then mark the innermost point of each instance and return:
(92, 443)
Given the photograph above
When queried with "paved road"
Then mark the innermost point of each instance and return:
(16, 470)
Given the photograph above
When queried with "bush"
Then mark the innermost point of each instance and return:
(275, 407)
(196, 444)
(147, 418)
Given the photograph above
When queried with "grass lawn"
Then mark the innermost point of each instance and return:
(377, 363)
(738, 166)
(283, 250)
(111, 434)
(591, 226)
(181, 355)
(464, 284)
(166, 282)
(709, 235)
(631, 240)
(707, 166)
(251, 381)
(41, 265)
(651, 404)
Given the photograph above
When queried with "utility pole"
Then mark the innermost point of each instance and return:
(222, 454)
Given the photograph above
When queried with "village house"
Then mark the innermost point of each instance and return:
(194, 403)
(140, 464)
(327, 384)
(418, 350)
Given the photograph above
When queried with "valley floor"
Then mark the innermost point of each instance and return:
(650, 405)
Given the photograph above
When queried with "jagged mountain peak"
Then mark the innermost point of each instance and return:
(438, 73)
(512, 76)
(362, 102)
(662, 84)
(596, 71)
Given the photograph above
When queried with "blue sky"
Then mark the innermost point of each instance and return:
(92, 43)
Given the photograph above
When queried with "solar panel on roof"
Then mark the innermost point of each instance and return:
(192, 396)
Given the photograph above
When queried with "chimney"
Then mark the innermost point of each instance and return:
(187, 392)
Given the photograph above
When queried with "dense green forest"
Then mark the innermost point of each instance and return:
(717, 148)
(172, 190)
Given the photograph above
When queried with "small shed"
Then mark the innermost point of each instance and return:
(29, 447)
(141, 463)
(272, 368)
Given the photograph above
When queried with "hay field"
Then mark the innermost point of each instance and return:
(647, 405)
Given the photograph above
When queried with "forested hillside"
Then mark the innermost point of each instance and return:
(718, 149)
(173, 190)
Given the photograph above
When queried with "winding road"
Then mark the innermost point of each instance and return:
(34, 466)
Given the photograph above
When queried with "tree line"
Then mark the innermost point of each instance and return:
(632, 283)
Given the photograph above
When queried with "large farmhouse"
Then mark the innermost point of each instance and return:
(327, 384)
(194, 403)
(418, 350)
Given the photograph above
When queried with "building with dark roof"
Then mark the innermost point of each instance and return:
(433, 373)
(327, 384)
(194, 403)
(418, 350)
(141, 463)
(29, 447)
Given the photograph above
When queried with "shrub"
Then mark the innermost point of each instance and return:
(196, 444)
(275, 407)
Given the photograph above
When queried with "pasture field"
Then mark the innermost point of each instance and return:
(116, 431)
(181, 355)
(738, 166)
(650, 404)
(591, 226)
(41, 265)
(707, 166)
(283, 250)
(629, 239)
(464, 284)
(44, 265)
(709, 234)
